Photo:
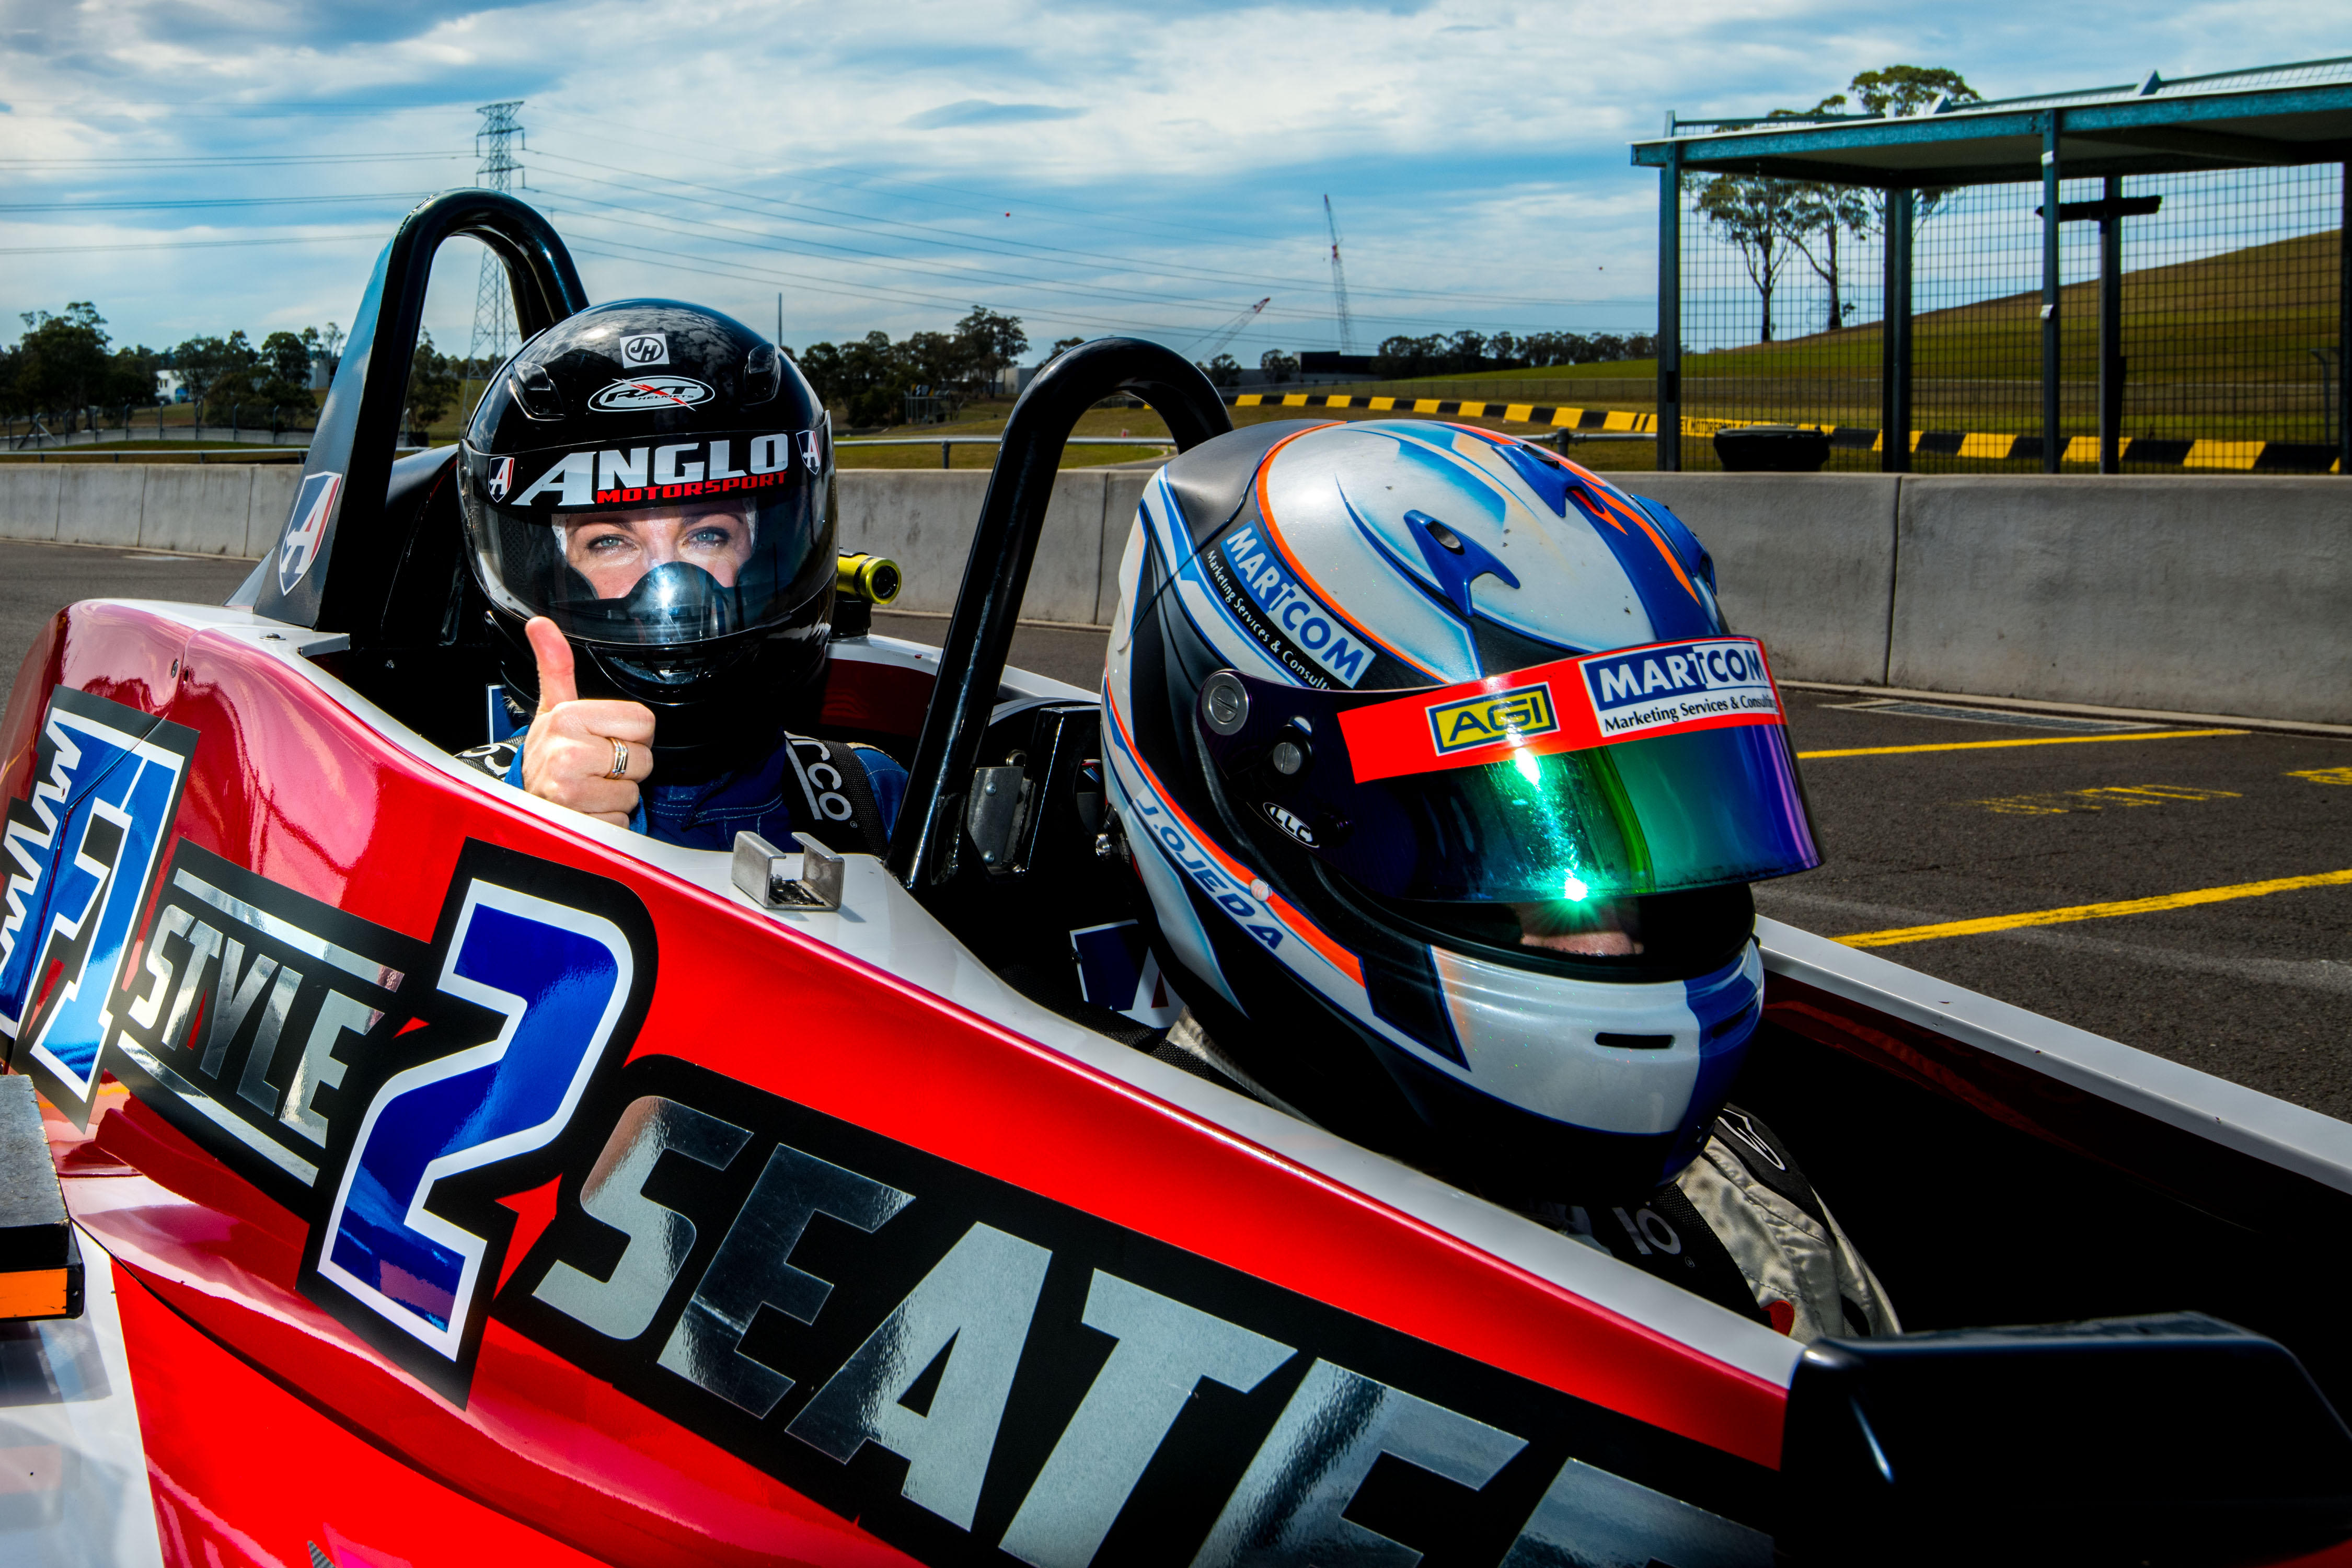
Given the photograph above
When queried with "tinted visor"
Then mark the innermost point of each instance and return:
(732, 540)
(1566, 781)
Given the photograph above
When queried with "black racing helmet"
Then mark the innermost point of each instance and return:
(656, 479)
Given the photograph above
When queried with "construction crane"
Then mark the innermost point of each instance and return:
(1339, 283)
(1214, 344)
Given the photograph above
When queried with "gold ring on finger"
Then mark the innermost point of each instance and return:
(620, 758)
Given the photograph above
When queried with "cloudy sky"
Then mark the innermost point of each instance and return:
(198, 165)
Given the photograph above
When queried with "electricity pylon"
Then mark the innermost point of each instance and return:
(494, 322)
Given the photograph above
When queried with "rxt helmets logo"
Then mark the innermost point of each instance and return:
(651, 395)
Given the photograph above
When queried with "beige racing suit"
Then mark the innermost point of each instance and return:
(1741, 1225)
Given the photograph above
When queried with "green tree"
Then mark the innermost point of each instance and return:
(130, 377)
(215, 370)
(1279, 366)
(1224, 371)
(995, 342)
(1904, 91)
(63, 360)
(1755, 214)
(432, 383)
(284, 378)
(1768, 220)
(1063, 344)
(1817, 215)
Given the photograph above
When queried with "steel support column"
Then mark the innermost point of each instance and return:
(1895, 339)
(1670, 312)
(2344, 328)
(2052, 443)
(2111, 327)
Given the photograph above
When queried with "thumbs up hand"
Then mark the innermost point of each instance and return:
(587, 755)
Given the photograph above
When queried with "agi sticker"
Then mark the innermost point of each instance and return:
(1522, 713)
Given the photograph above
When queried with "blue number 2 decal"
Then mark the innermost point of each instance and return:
(561, 977)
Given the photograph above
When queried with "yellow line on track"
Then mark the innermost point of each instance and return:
(2095, 912)
(2038, 741)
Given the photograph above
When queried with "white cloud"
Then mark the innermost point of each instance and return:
(1159, 167)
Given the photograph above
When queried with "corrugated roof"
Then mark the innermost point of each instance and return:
(2267, 115)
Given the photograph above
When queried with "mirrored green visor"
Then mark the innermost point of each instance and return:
(1642, 771)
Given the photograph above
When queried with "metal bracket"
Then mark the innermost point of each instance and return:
(759, 871)
(993, 812)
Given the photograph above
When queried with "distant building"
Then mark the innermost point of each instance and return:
(169, 387)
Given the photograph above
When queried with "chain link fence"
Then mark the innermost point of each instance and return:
(2134, 278)
(2230, 284)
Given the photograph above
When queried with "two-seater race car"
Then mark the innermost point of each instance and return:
(458, 1179)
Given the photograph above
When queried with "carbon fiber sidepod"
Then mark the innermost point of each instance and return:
(2077, 1444)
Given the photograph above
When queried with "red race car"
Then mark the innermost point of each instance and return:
(455, 1179)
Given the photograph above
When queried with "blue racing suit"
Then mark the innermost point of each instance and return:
(846, 795)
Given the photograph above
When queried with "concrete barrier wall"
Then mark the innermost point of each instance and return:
(215, 509)
(923, 518)
(1803, 562)
(2212, 594)
(2207, 595)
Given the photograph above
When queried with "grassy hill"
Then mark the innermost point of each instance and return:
(2216, 347)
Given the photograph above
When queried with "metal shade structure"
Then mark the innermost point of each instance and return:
(2273, 116)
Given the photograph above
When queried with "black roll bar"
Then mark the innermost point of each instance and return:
(360, 424)
(979, 634)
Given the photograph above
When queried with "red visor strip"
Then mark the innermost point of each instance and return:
(1390, 739)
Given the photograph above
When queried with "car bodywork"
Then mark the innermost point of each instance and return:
(470, 1180)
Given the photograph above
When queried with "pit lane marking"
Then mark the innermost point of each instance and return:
(2061, 802)
(2324, 776)
(2036, 740)
(2072, 913)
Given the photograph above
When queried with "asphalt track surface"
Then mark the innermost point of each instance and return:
(2255, 986)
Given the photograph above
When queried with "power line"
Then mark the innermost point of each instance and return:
(862, 223)
(205, 202)
(1214, 342)
(755, 240)
(255, 159)
(886, 261)
(976, 201)
(368, 238)
(738, 272)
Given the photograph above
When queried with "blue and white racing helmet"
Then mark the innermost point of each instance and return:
(1444, 783)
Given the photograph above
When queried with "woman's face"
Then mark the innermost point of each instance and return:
(614, 552)
(1601, 928)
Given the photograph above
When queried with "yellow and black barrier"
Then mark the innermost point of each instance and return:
(2247, 456)
(1513, 413)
